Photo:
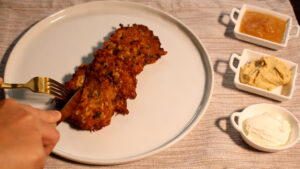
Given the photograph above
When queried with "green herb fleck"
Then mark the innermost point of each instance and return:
(98, 93)
(110, 74)
(97, 114)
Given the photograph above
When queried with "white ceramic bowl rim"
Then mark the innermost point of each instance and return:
(238, 127)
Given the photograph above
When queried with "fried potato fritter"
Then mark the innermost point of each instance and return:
(110, 79)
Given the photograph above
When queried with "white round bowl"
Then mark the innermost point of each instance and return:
(257, 109)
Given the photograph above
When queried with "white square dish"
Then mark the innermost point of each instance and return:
(280, 93)
(256, 40)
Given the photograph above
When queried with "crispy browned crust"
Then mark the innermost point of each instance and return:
(78, 78)
(111, 78)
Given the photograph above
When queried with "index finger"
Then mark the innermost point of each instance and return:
(50, 116)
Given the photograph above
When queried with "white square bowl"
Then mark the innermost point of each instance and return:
(280, 93)
(257, 40)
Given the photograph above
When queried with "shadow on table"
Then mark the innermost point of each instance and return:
(224, 19)
(228, 75)
(232, 133)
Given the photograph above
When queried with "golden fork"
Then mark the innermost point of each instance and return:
(42, 85)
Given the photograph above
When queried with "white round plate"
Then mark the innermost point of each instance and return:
(172, 94)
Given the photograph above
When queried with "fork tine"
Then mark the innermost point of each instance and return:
(57, 93)
(57, 84)
(59, 89)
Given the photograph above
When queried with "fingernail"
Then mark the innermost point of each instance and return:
(57, 114)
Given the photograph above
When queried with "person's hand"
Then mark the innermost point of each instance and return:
(27, 135)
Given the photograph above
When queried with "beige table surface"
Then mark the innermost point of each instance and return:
(213, 143)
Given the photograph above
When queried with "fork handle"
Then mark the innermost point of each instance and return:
(12, 86)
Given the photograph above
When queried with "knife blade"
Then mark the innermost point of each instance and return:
(70, 106)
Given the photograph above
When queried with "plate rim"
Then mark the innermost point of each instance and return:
(185, 130)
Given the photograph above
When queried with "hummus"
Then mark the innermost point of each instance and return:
(266, 73)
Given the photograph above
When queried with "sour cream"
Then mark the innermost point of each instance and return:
(267, 129)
